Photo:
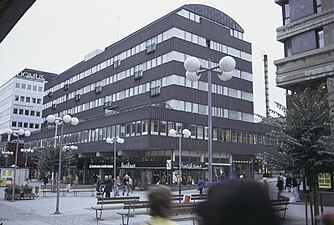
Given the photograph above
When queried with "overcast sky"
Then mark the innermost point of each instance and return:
(53, 35)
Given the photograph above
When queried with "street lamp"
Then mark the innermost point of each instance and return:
(6, 155)
(60, 120)
(26, 151)
(115, 140)
(17, 134)
(194, 70)
(70, 149)
(186, 134)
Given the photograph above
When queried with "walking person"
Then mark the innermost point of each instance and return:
(108, 187)
(117, 184)
(126, 184)
(288, 183)
(280, 187)
(295, 191)
(200, 185)
(98, 186)
(130, 185)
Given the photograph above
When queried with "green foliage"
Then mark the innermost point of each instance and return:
(302, 134)
(9, 189)
(48, 159)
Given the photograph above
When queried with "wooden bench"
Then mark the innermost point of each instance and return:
(109, 203)
(198, 197)
(83, 188)
(280, 205)
(180, 211)
(53, 189)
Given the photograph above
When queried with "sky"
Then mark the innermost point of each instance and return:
(54, 35)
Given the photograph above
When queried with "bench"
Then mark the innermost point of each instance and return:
(83, 188)
(53, 189)
(108, 203)
(180, 211)
(280, 205)
(198, 197)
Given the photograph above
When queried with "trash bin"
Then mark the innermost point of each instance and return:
(36, 190)
(187, 199)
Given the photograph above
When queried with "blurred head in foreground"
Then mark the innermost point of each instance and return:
(237, 203)
(160, 201)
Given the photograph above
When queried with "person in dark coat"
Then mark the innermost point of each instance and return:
(108, 187)
(45, 179)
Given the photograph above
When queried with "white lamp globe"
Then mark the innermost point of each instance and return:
(172, 132)
(227, 64)
(74, 121)
(109, 140)
(120, 140)
(20, 132)
(186, 133)
(22, 150)
(50, 118)
(226, 76)
(192, 64)
(32, 150)
(192, 76)
(67, 118)
(9, 131)
(27, 133)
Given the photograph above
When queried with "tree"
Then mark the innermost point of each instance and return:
(302, 136)
(48, 159)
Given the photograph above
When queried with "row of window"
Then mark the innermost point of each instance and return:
(194, 17)
(154, 127)
(173, 32)
(29, 87)
(172, 56)
(27, 99)
(25, 125)
(286, 10)
(26, 112)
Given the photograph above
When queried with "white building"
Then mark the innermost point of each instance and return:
(21, 100)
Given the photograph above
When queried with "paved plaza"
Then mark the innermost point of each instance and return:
(77, 210)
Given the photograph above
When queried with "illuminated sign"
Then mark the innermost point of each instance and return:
(168, 164)
(100, 166)
(128, 165)
(191, 166)
(31, 76)
(324, 180)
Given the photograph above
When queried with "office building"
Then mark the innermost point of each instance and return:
(136, 89)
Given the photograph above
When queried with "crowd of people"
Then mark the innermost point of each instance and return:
(291, 184)
(108, 185)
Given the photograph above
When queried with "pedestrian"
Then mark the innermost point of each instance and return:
(76, 180)
(126, 184)
(130, 185)
(200, 185)
(288, 183)
(237, 202)
(117, 184)
(160, 205)
(266, 187)
(280, 187)
(108, 186)
(98, 186)
(45, 179)
(295, 191)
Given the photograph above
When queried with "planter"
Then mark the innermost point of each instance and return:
(9, 196)
(28, 196)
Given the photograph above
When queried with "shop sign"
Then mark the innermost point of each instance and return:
(31, 76)
(191, 166)
(168, 164)
(324, 180)
(128, 165)
(100, 166)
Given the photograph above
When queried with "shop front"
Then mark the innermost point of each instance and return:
(191, 172)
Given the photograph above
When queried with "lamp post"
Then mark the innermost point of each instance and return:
(26, 151)
(70, 149)
(186, 134)
(115, 140)
(60, 120)
(6, 155)
(17, 134)
(194, 70)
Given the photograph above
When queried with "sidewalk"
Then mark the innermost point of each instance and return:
(77, 210)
